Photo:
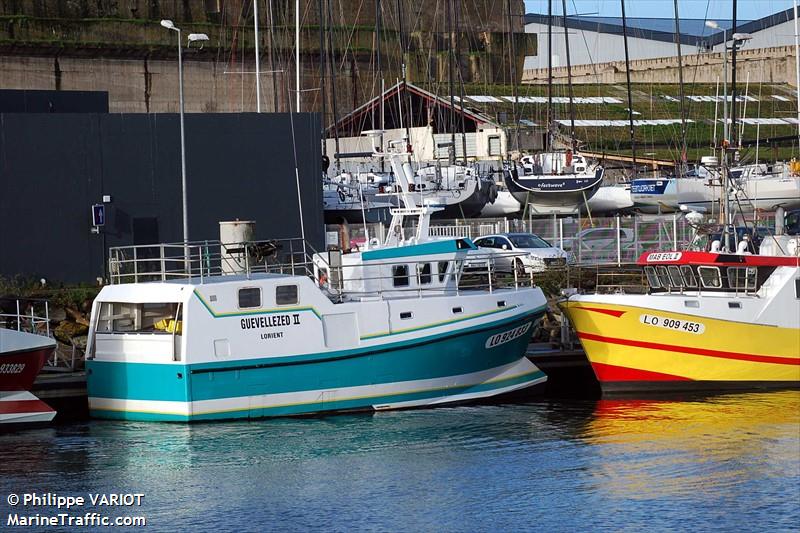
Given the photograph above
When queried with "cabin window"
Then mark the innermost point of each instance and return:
(286, 294)
(797, 288)
(424, 271)
(249, 298)
(406, 315)
(675, 276)
(663, 276)
(689, 279)
(742, 277)
(709, 277)
(457, 310)
(501, 303)
(400, 275)
(443, 270)
(123, 317)
(652, 278)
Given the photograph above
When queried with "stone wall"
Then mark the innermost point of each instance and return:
(770, 65)
(121, 48)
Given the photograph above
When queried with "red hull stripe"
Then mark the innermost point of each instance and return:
(693, 351)
(611, 312)
(607, 373)
(24, 406)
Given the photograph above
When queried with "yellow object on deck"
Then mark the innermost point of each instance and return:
(169, 325)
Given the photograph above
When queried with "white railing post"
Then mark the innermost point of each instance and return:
(674, 231)
(47, 316)
(135, 265)
(619, 243)
(19, 317)
(163, 264)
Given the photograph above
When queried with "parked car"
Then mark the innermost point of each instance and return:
(523, 252)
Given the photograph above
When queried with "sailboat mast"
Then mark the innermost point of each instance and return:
(258, 61)
(460, 82)
(797, 69)
(733, 79)
(333, 83)
(549, 74)
(682, 167)
(297, 54)
(451, 123)
(321, 25)
(513, 65)
(403, 71)
(628, 77)
(569, 80)
(274, 77)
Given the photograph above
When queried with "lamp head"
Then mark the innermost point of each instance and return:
(168, 24)
(193, 37)
(712, 24)
(742, 37)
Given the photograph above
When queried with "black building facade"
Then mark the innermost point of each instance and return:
(55, 166)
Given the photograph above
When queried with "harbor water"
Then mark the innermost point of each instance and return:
(729, 462)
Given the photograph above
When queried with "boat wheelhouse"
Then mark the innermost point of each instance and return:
(708, 321)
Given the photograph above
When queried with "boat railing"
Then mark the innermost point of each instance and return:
(421, 277)
(610, 279)
(32, 315)
(198, 261)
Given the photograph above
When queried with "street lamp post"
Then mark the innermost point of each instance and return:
(192, 38)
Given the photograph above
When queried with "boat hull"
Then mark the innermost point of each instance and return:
(458, 366)
(19, 369)
(553, 194)
(629, 353)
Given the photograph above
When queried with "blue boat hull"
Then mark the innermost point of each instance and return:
(448, 367)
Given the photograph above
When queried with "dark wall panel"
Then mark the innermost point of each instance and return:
(33, 101)
(54, 167)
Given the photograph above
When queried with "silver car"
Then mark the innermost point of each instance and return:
(523, 252)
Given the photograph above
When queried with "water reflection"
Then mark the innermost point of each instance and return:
(728, 460)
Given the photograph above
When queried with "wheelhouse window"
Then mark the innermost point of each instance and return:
(742, 277)
(675, 276)
(400, 275)
(424, 271)
(689, 279)
(286, 295)
(652, 278)
(709, 277)
(443, 265)
(663, 276)
(249, 298)
(124, 317)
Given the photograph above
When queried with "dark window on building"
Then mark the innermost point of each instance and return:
(249, 298)
(286, 294)
(400, 275)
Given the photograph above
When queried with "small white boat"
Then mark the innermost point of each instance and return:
(610, 199)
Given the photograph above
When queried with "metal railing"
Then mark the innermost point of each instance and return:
(200, 260)
(32, 315)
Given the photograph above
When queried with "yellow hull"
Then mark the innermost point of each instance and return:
(628, 345)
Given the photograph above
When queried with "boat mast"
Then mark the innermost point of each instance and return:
(797, 70)
(733, 81)
(274, 77)
(549, 74)
(297, 54)
(333, 83)
(569, 80)
(322, 74)
(378, 28)
(628, 77)
(451, 122)
(405, 77)
(258, 61)
(513, 71)
(682, 167)
(460, 82)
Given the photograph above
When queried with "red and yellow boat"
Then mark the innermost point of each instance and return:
(709, 321)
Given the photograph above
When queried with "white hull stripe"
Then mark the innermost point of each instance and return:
(265, 401)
